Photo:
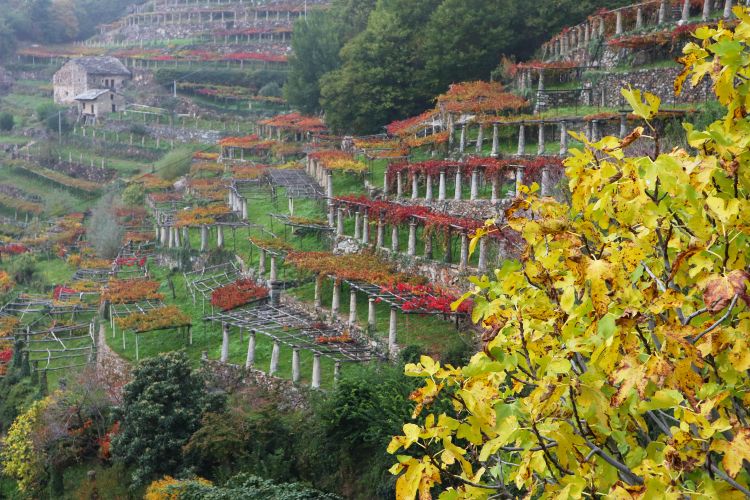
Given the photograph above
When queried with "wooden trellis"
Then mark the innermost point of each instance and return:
(204, 281)
(65, 342)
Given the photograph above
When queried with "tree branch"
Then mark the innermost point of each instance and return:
(723, 475)
(719, 322)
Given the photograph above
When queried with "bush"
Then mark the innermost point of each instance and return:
(176, 163)
(133, 195)
(104, 232)
(270, 90)
(7, 122)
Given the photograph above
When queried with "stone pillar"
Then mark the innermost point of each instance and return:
(316, 371)
(464, 262)
(244, 207)
(186, 236)
(220, 236)
(482, 255)
(336, 302)
(261, 263)
(352, 307)
(685, 12)
(519, 179)
(224, 342)
(727, 9)
(170, 236)
(428, 246)
(336, 372)
(618, 22)
(412, 245)
(521, 139)
(546, 188)
(601, 27)
(495, 141)
(441, 186)
(204, 238)
(474, 184)
(540, 146)
(399, 184)
(331, 215)
(274, 358)
(457, 191)
(163, 236)
(662, 11)
(274, 270)
(357, 222)
(480, 138)
(394, 238)
(366, 229)
(623, 125)
(385, 183)
(250, 361)
(415, 186)
(706, 10)
(392, 329)
(340, 222)
(594, 130)
(371, 321)
(462, 143)
(380, 234)
(495, 181)
(318, 295)
(329, 184)
(295, 365)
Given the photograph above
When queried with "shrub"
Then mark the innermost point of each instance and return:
(270, 90)
(7, 122)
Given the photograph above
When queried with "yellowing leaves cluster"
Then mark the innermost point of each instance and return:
(616, 354)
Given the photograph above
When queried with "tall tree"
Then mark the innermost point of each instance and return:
(162, 408)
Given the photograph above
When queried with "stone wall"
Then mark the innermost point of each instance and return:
(110, 367)
(233, 378)
(659, 81)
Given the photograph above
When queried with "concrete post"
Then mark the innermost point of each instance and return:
(415, 186)
(522, 139)
(274, 358)
(618, 22)
(357, 222)
(601, 27)
(457, 191)
(623, 125)
(412, 245)
(428, 246)
(392, 329)
(171, 237)
(274, 270)
(399, 184)
(495, 181)
(336, 302)
(331, 215)
(204, 238)
(495, 141)
(224, 342)
(366, 229)
(371, 321)
(519, 179)
(462, 143)
(428, 187)
(563, 137)
(340, 222)
(394, 239)
(480, 138)
(441, 186)
(474, 184)
(318, 295)
(163, 237)
(316, 371)
(352, 307)
(685, 12)
(540, 146)
(186, 236)
(385, 183)
(295, 365)
(262, 263)
(727, 9)
(595, 130)
(662, 11)
(244, 207)
(482, 255)
(380, 234)
(464, 262)
(336, 372)
(250, 361)
(329, 184)
(220, 236)
(706, 10)
(546, 188)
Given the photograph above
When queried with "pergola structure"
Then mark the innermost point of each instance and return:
(119, 311)
(204, 281)
(295, 328)
(74, 344)
(297, 182)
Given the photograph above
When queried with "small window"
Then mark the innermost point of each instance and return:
(111, 97)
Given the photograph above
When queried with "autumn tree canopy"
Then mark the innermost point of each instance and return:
(615, 356)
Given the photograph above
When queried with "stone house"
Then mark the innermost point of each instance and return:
(96, 103)
(88, 73)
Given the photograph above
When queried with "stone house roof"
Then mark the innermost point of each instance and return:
(91, 95)
(103, 65)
